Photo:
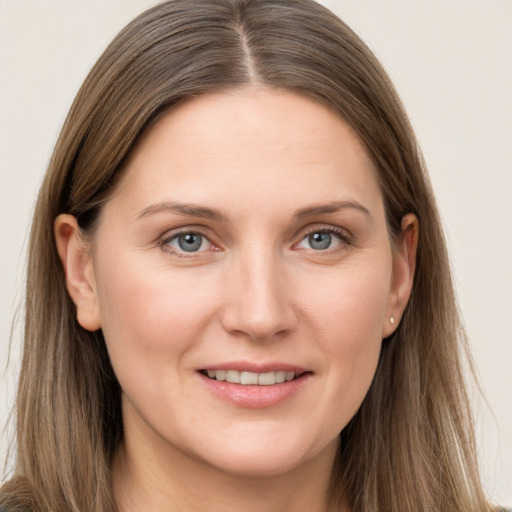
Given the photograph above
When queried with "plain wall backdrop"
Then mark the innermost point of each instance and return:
(451, 61)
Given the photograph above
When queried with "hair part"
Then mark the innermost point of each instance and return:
(410, 446)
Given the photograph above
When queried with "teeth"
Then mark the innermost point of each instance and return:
(248, 378)
(233, 376)
(281, 377)
(251, 378)
(267, 379)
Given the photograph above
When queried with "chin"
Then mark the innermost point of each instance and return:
(258, 466)
(264, 457)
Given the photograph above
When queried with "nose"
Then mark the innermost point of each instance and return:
(259, 305)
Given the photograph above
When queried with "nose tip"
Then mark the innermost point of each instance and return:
(260, 307)
(263, 323)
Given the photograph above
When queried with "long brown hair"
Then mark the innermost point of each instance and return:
(410, 446)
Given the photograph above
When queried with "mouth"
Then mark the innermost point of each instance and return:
(246, 378)
(253, 386)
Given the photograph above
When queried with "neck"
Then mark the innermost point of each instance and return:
(149, 478)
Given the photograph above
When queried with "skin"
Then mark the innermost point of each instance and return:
(274, 167)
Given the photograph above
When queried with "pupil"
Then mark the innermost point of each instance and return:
(190, 242)
(320, 241)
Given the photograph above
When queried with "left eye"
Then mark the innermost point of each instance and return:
(320, 241)
(189, 242)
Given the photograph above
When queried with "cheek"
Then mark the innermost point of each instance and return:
(151, 316)
(347, 319)
(349, 304)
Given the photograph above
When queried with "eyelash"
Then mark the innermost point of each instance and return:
(341, 235)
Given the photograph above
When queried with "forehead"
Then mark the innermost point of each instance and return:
(252, 146)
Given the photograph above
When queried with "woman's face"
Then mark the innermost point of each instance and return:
(243, 277)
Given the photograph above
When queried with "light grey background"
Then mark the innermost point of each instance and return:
(451, 61)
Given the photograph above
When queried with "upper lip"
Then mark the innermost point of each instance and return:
(246, 366)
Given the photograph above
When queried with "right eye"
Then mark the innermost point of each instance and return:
(189, 242)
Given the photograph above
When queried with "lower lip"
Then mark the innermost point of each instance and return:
(255, 397)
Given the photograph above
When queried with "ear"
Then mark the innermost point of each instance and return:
(76, 258)
(404, 265)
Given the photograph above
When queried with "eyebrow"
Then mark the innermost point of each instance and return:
(331, 208)
(185, 209)
(203, 212)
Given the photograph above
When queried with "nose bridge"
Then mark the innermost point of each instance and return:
(260, 305)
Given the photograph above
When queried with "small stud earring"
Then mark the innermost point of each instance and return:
(391, 320)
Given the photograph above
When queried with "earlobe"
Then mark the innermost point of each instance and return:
(404, 266)
(77, 263)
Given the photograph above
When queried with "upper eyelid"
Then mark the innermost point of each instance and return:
(193, 229)
(337, 230)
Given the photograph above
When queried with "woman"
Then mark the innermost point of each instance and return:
(247, 298)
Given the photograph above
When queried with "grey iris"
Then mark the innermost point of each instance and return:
(190, 242)
(320, 241)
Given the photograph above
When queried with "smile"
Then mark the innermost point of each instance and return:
(253, 387)
(251, 378)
